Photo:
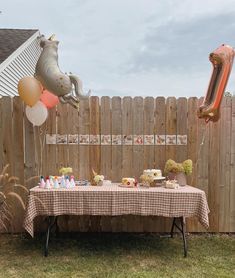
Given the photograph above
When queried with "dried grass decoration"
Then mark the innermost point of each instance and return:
(12, 195)
(97, 179)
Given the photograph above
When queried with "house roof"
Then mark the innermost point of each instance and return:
(11, 39)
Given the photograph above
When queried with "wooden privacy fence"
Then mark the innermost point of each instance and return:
(120, 137)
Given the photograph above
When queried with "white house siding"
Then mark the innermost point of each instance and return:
(21, 63)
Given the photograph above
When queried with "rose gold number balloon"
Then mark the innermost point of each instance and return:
(222, 61)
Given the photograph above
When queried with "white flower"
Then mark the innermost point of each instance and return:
(98, 178)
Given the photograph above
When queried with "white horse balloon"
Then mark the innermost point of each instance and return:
(67, 87)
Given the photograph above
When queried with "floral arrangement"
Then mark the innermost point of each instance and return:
(98, 179)
(185, 167)
(65, 170)
(146, 179)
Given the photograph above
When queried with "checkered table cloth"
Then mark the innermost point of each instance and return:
(113, 200)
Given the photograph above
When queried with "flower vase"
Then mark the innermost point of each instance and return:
(180, 177)
(100, 183)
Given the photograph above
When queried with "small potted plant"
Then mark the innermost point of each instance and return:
(178, 171)
(97, 179)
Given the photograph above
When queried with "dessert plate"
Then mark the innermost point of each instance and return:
(160, 178)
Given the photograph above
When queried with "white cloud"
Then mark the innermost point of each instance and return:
(101, 40)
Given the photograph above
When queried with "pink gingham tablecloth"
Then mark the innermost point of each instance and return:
(113, 200)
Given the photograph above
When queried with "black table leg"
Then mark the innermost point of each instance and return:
(52, 220)
(181, 228)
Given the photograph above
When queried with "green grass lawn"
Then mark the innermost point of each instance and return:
(117, 255)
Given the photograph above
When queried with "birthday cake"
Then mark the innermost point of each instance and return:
(129, 182)
(154, 173)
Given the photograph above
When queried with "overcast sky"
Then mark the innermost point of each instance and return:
(132, 47)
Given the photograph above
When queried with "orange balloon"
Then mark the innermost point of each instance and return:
(49, 99)
(30, 90)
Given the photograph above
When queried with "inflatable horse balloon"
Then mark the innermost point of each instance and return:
(68, 87)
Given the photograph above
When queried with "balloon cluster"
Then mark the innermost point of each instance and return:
(37, 99)
(49, 84)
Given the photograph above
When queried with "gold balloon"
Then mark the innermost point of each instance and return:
(30, 90)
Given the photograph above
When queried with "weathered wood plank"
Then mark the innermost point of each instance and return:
(138, 130)
(232, 177)
(171, 126)
(116, 147)
(149, 153)
(171, 130)
(84, 160)
(224, 167)
(106, 152)
(157, 224)
(50, 162)
(148, 125)
(116, 151)
(127, 150)
(73, 156)
(213, 190)
(192, 150)
(181, 152)
(203, 155)
(138, 152)
(18, 161)
(105, 129)
(7, 141)
(1, 134)
(62, 151)
(94, 150)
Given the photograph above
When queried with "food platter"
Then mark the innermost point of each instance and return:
(160, 178)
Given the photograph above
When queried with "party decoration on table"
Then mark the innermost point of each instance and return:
(56, 183)
(72, 182)
(97, 179)
(37, 114)
(68, 87)
(222, 61)
(146, 180)
(42, 182)
(178, 171)
(128, 182)
(171, 184)
(66, 170)
(82, 183)
(48, 185)
(49, 99)
(151, 177)
(30, 90)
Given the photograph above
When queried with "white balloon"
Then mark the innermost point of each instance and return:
(37, 114)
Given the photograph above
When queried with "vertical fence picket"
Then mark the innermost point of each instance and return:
(224, 167)
(106, 151)
(232, 177)
(84, 160)
(116, 152)
(138, 152)
(95, 149)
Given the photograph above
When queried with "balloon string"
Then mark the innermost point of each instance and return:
(36, 151)
(200, 149)
(42, 140)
